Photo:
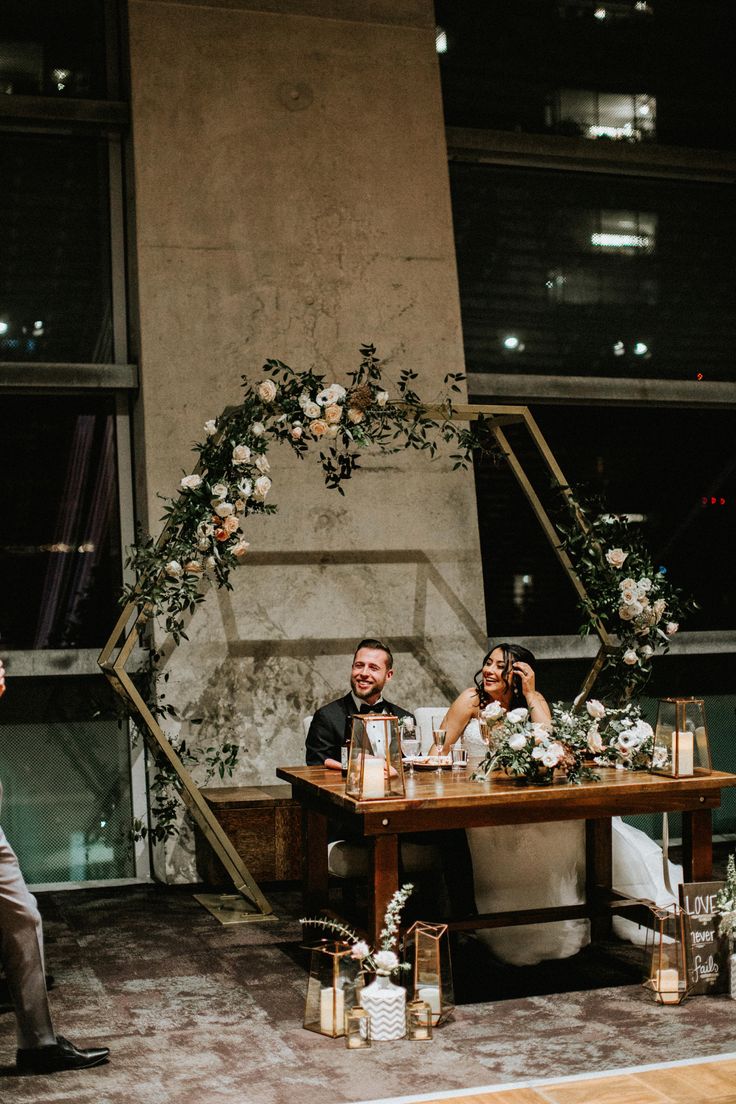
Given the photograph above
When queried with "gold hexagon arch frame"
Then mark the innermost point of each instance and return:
(115, 654)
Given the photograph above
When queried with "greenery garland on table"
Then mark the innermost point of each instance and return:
(633, 599)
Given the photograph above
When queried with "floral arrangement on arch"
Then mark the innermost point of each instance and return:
(385, 960)
(206, 536)
(632, 598)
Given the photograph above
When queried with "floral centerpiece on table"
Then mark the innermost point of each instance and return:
(385, 960)
(619, 737)
(532, 751)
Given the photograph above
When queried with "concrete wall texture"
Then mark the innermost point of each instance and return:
(292, 201)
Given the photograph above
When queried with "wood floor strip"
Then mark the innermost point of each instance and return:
(698, 1081)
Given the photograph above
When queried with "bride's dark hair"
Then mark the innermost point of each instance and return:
(512, 653)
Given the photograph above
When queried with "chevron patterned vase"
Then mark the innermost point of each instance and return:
(386, 1005)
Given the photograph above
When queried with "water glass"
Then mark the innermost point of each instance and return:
(459, 757)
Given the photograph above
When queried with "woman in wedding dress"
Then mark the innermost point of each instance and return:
(528, 866)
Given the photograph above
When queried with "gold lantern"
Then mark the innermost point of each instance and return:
(427, 950)
(375, 769)
(681, 748)
(668, 956)
(357, 1029)
(331, 990)
(418, 1020)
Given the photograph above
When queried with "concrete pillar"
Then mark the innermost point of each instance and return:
(292, 201)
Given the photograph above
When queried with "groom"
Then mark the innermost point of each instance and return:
(372, 668)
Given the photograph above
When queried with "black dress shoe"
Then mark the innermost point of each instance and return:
(61, 1055)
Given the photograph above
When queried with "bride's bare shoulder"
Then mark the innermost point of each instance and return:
(468, 699)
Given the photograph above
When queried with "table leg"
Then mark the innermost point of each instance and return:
(598, 873)
(314, 861)
(385, 880)
(697, 845)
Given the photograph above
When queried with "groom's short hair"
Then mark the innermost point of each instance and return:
(378, 646)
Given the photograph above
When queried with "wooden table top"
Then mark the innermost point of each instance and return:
(616, 791)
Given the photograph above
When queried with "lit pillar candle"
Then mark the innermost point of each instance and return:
(683, 741)
(431, 994)
(331, 1011)
(373, 775)
(667, 984)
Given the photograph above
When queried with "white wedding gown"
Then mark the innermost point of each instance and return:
(528, 866)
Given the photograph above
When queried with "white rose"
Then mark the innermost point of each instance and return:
(355, 416)
(596, 709)
(382, 397)
(241, 454)
(360, 950)
(332, 414)
(540, 733)
(332, 431)
(193, 567)
(319, 427)
(552, 755)
(191, 482)
(630, 657)
(646, 652)
(517, 715)
(304, 398)
(644, 585)
(616, 557)
(595, 743)
(297, 431)
(211, 561)
(262, 487)
(493, 710)
(239, 550)
(210, 427)
(267, 391)
(258, 429)
(626, 613)
(263, 465)
(517, 741)
(220, 490)
(671, 628)
(311, 410)
(385, 961)
(332, 394)
(245, 488)
(625, 584)
(629, 595)
(173, 569)
(224, 509)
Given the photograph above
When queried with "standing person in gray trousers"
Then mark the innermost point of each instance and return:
(40, 1050)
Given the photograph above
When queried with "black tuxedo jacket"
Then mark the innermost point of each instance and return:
(327, 729)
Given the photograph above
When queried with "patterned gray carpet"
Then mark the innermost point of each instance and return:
(194, 1011)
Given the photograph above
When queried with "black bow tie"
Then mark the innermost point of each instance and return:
(378, 708)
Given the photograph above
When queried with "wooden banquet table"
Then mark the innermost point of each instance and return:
(453, 801)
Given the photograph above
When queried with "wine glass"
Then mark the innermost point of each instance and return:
(439, 735)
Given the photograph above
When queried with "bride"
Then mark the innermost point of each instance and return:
(528, 866)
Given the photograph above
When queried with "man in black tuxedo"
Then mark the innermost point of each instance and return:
(372, 669)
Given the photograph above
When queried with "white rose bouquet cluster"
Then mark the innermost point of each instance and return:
(618, 737)
(384, 961)
(531, 751)
(625, 592)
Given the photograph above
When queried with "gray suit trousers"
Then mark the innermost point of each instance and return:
(21, 952)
